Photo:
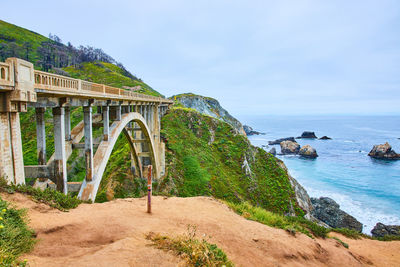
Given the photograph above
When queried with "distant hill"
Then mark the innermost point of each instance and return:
(208, 106)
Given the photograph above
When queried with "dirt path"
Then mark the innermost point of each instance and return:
(113, 234)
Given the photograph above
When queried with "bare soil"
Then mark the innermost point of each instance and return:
(113, 234)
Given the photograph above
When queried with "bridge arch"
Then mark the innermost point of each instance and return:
(89, 189)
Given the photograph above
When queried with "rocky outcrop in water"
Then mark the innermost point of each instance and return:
(209, 106)
(325, 138)
(249, 130)
(308, 135)
(328, 211)
(278, 141)
(384, 151)
(308, 151)
(381, 230)
(289, 147)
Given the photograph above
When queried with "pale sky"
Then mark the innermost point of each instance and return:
(255, 57)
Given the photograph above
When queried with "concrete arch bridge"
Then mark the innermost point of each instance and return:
(136, 116)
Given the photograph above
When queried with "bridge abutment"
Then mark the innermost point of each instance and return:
(11, 157)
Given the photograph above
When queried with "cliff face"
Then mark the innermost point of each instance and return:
(208, 106)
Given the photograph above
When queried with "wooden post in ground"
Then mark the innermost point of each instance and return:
(149, 190)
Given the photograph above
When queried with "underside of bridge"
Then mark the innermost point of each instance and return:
(117, 111)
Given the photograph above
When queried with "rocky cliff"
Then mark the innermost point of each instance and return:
(208, 106)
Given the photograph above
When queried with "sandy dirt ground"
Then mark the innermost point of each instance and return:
(113, 234)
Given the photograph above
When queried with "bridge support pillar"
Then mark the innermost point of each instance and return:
(87, 120)
(11, 157)
(60, 158)
(41, 136)
(106, 122)
(67, 124)
(118, 112)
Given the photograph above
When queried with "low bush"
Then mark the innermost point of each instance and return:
(16, 237)
(195, 252)
(288, 223)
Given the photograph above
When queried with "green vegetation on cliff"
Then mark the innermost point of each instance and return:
(206, 157)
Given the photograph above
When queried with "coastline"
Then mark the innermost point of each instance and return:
(353, 180)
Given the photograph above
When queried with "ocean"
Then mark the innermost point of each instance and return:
(366, 188)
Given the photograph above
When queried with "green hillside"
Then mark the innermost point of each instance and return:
(85, 63)
(21, 40)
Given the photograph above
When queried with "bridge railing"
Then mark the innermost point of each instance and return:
(58, 83)
(50, 81)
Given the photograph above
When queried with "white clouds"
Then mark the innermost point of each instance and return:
(243, 52)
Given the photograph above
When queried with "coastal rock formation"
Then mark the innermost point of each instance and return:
(302, 198)
(289, 147)
(383, 152)
(325, 138)
(381, 230)
(328, 211)
(209, 106)
(278, 141)
(273, 151)
(249, 130)
(308, 134)
(308, 151)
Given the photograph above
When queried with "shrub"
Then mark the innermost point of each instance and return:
(48, 196)
(16, 237)
(195, 252)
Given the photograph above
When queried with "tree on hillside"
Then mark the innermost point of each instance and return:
(28, 48)
(55, 38)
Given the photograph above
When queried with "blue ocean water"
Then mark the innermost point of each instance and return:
(366, 188)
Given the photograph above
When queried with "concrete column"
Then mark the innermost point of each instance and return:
(41, 136)
(60, 158)
(67, 124)
(156, 124)
(106, 122)
(87, 120)
(146, 113)
(118, 113)
(151, 118)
